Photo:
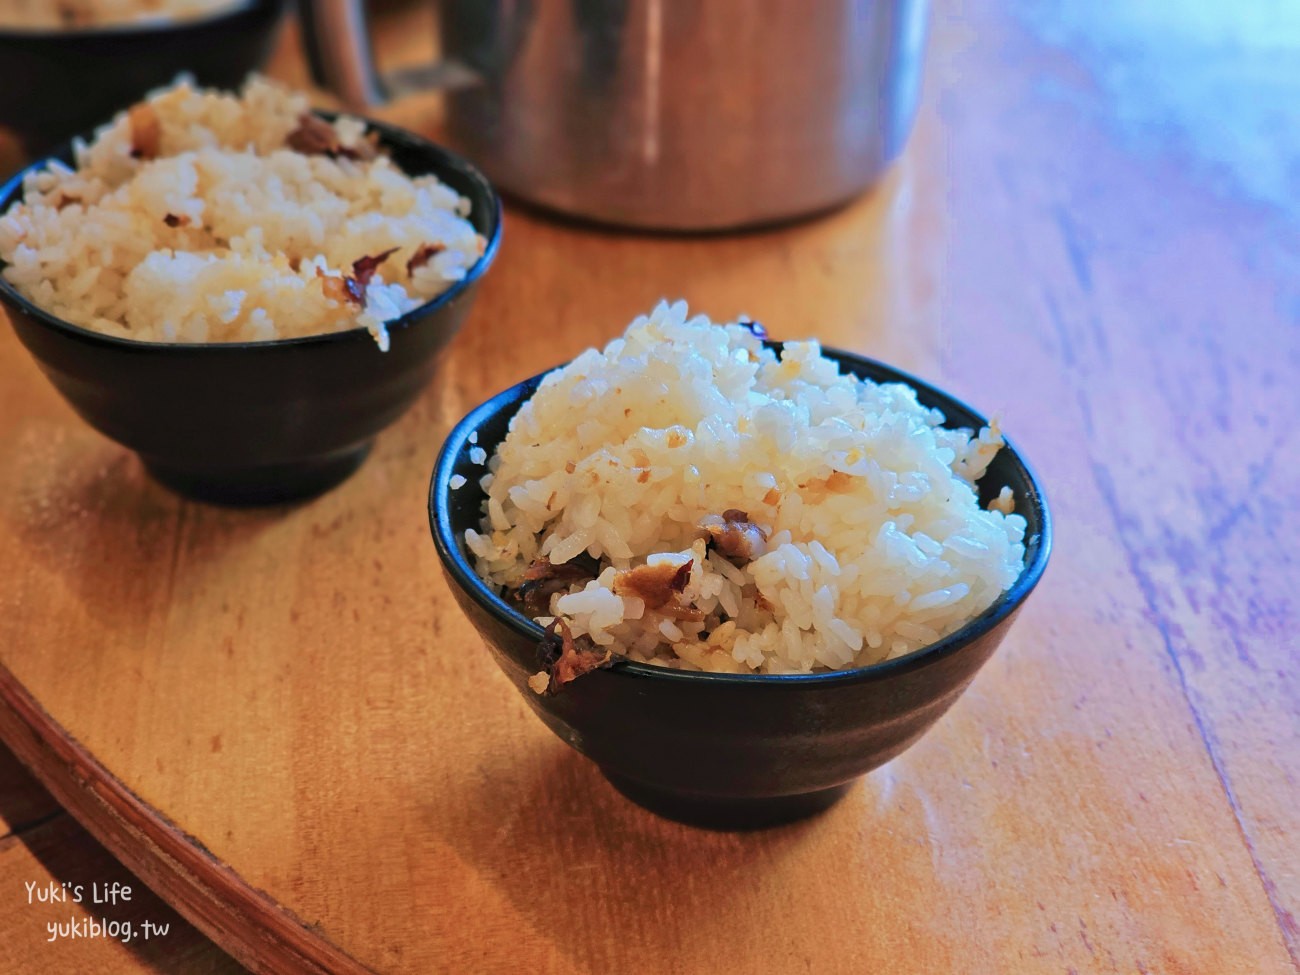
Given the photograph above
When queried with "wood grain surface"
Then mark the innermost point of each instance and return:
(40, 845)
(280, 720)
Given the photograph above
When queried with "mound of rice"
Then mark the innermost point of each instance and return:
(199, 216)
(867, 536)
(97, 13)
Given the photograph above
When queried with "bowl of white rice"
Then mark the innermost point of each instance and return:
(66, 65)
(735, 573)
(241, 290)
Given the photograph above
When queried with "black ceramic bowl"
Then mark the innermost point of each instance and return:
(259, 422)
(725, 750)
(55, 84)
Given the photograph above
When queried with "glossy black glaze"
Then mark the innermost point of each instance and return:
(56, 84)
(724, 750)
(248, 423)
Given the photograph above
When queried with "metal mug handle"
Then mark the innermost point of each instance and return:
(341, 57)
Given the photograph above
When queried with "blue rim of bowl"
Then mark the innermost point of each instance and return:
(455, 562)
(444, 160)
(144, 28)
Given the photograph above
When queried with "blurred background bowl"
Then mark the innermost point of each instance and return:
(259, 422)
(55, 84)
(724, 750)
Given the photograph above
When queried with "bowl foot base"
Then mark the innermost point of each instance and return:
(264, 484)
(723, 812)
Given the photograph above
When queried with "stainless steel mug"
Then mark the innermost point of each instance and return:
(671, 114)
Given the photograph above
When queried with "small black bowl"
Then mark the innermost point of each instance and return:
(55, 84)
(259, 422)
(724, 750)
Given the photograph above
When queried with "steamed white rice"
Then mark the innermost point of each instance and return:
(221, 232)
(99, 13)
(876, 543)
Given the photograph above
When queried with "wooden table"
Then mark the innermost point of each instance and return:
(289, 732)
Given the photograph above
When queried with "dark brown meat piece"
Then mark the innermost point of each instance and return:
(542, 580)
(174, 220)
(737, 538)
(423, 254)
(316, 137)
(567, 657)
(655, 585)
(353, 287)
(342, 289)
(313, 137)
(364, 268)
(660, 588)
